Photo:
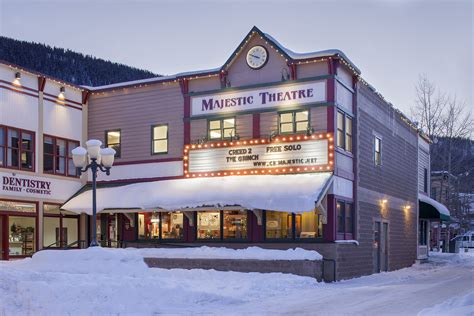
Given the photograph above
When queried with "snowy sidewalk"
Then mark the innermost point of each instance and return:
(117, 282)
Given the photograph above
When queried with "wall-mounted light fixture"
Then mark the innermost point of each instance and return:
(18, 75)
(62, 91)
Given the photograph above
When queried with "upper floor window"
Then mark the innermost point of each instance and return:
(17, 148)
(222, 129)
(57, 157)
(344, 131)
(377, 151)
(159, 142)
(113, 140)
(293, 122)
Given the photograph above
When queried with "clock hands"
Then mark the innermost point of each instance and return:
(254, 56)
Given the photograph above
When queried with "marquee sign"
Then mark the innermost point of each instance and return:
(293, 154)
(20, 185)
(256, 99)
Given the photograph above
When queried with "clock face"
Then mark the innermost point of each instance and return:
(257, 57)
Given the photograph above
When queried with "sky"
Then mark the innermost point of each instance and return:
(391, 41)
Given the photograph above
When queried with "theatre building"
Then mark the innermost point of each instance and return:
(274, 149)
(41, 121)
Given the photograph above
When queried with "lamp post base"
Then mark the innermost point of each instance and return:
(94, 244)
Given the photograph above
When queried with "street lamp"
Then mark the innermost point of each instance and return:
(93, 158)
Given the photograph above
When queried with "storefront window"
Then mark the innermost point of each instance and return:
(22, 235)
(235, 224)
(172, 225)
(23, 207)
(340, 217)
(60, 228)
(308, 225)
(208, 225)
(278, 225)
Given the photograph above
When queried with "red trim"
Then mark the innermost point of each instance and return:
(41, 83)
(63, 103)
(136, 162)
(24, 214)
(184, 84)
(329, 229)
(293, 71)
(66, 100)
(18, 86)
(5, 242)
(19, 91)
(256, 125)
(85, 96)
(262, 141)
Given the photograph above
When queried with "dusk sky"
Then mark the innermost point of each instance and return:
(392, 42)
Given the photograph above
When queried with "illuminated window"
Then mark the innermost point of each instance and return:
(172, 225)
(222, 129)
(377, 151)
(235, 224)
(278, 225)
(344, 131)
(209, 225)
(293, 122)
(17, 148)
(113, 140)
(159, 139)
(348, 129)
(57, 156)
(308, 225)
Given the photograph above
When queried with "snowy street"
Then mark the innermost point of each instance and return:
(117, 282)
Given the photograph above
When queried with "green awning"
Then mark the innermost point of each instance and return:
(432, 209)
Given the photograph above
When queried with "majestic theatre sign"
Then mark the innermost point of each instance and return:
(293, 154)
(258, 99)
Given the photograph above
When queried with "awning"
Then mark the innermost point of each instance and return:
(286, 193)
(432, 209)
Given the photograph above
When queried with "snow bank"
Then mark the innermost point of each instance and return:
(255, 253)
(459, 305)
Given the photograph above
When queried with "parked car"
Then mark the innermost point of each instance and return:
(466, 240)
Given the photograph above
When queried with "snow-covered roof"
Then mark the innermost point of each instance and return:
(154, 79)
(311, 55)
(438, 206)
(291, 55)
(287, 193)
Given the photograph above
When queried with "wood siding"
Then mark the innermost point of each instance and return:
(134, 112)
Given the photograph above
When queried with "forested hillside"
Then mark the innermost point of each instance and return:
(67, 65)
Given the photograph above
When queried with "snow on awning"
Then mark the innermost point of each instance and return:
(286, 193)
(430, 208)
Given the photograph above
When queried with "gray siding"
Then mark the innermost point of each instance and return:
(423, 163)
(396, 180)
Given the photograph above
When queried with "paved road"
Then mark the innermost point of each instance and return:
(404, 292)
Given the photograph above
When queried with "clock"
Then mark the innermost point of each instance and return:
(257, 57)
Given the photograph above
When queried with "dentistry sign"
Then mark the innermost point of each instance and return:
(286, 155)
(262, 98)
(21, 185)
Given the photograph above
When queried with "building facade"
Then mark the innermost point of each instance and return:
(41, 120)
(274, 149)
